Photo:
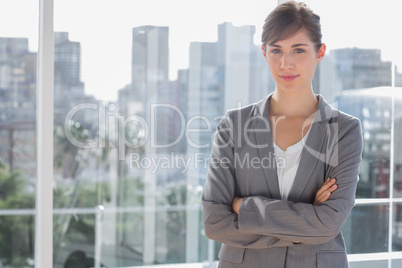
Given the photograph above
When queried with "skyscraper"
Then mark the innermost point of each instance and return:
(67, 67)
(150, 62)
(17, 106)
(17, 75)
(150, 76)
(222, 75)
(148, 89)
(242, 70)
(352, 68)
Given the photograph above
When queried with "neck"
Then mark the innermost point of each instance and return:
(301, 103)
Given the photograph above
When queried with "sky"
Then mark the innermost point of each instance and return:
(103, 27)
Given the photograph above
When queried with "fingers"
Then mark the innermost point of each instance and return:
(325, 191)
(322, 198)
(236, 204)
(326, 186)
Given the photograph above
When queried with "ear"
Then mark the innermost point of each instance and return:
(321, 52)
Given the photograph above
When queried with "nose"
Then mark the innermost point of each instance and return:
(287, 61)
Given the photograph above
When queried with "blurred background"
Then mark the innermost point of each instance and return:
(139, 87)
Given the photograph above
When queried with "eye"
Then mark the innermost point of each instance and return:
(299, 50)
(276, 51)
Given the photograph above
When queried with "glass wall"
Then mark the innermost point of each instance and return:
(360, 75)
(18, 37)
(138, 94)
(138, 91)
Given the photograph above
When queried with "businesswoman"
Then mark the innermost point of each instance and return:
(283, 171)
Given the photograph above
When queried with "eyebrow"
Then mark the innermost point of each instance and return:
(295, 45)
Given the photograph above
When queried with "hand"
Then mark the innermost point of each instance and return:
(325, 191)
(236, 204)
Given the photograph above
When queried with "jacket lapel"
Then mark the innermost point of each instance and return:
(308, 160)
(311, 154)
(313, 150)
(265, 145)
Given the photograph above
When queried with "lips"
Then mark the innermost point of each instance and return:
(289, 77)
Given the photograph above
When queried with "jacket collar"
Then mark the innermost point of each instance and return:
(324, 110)
(311, 154)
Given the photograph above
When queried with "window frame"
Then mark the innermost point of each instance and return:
(45, 126)
(44, 140)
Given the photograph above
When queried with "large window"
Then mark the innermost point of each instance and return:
(139, 87)
(360, 75)
(18, 42)
(138, 94)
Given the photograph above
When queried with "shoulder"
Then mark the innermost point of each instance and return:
(256, 109)
(248, 116)
(349, 130)
(348, 120)
(331, 115)
(342, 128)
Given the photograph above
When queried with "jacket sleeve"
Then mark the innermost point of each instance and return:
(220, 222)
(304, 222)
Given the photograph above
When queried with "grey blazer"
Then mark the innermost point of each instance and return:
(243, 164)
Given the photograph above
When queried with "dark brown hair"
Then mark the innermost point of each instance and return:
(287, 19)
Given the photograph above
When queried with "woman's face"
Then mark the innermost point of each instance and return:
(292, 61)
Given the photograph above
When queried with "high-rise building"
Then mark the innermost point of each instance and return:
(241, 69)
(223, 75)
(150, 62)
(175, 110)
(17, 105)
(149, 97)
(361, 68)
(67, 67)
(352, 68)
(205, 102)
(150, 77)
(398, 78)
(17, 77)
(205, 94)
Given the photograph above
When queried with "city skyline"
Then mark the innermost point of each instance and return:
(108, 41)
(219, 74)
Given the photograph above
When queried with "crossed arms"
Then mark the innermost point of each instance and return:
(260, 222)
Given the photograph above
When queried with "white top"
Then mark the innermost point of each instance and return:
(287, 163)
